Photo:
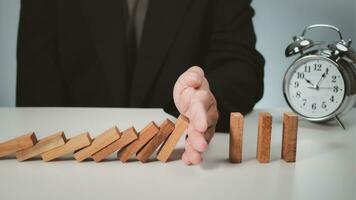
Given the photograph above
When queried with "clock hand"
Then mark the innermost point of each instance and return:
(311, 88)
(309, 82)
(321, 78)
(328, 88)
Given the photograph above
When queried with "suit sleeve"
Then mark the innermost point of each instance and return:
(233, 67)
(38, 76)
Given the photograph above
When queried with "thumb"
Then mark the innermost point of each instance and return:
(193, 77)
(185, 86)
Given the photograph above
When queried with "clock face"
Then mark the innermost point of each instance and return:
(314, 87)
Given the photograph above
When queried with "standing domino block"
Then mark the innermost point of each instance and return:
(171, 142)
(264, 137)
(146, 134)
(100, 142)
(165, 130)
(43, 145)
(236, 137)
(17, 144)
(73, 144)
(289, 138)
(126, 138)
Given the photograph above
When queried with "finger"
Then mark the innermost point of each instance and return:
(209, 134)
(213, 115)
(188, 146)
(197, 139)
(186, 159)
(198, 109)
(205, 85)
(191, 154)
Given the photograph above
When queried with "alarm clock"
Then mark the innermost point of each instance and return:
(320, 85)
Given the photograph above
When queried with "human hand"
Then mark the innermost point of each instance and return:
(193, 98)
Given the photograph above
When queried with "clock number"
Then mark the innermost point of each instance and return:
(296, 84)
(304, 102)
(300, 75)
(323, 105)
(298, 95)
(317, 67)
(306, 68)
(333, 79)
(314, 106)
(335, 89)
(332, 98)
(327, 71)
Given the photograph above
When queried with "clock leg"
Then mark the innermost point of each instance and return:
(339, 122)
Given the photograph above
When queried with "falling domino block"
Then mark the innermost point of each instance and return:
(236, 137)
(146, 134)
(171, 142)
(17, 144)
(165, 130)
(43, 145)
(100, 142)
(264, 137)
(126, 138)
(73, 144)
(289, 138)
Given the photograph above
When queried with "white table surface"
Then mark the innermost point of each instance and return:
(325, 167)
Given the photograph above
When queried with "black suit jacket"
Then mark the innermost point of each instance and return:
(72, 53)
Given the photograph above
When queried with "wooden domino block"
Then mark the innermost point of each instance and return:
(43, 145)
(264, 137)
(289, 138)
(236, 137)
(171, 142)
(73, 144)
(145, 135)
(17, 144)
(127, 137)
(165, 130)
(100, 142)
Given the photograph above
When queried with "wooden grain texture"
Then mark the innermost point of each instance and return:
(17, 144)
(43, 145)
(236, 137)
(100, 142)
(165, 130)
(146, 134)
(127, 137)
(75, 143)
(289, 138)
(264, 137)
(168, 147)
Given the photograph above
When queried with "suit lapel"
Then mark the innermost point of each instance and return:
(162, 22)
(106, 20)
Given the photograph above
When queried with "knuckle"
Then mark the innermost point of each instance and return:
(195, 158)
(203, 146)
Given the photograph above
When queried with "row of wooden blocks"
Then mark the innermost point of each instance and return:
(289, 137)
(126, 143)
